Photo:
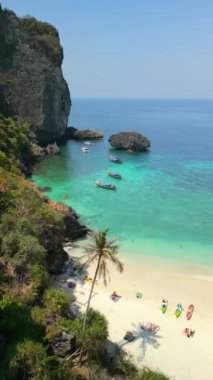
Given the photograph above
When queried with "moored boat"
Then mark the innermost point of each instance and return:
(114, 175)
(88, 142)
(115, 159)
(85, 149)
(107, 186)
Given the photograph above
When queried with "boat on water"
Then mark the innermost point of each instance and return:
(107, 186)
(85, 149)
(114, 175)
(88, 142)
(115, 159)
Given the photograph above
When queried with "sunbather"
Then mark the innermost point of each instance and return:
(114, 296)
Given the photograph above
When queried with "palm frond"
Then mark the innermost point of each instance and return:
(116, 261)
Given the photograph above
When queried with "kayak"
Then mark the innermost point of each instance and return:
(163, 308)
(178, 310)
(164, 305)
(189, 312)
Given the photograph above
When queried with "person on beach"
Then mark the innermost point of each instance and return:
(114, 296)
(189, 332)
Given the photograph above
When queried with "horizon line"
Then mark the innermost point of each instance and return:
(122, 98)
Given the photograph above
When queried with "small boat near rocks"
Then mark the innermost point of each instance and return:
(85, 149)
(107, 186)
(88, 142)
(115, 159)
(114, 175)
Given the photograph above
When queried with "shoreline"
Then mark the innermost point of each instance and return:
(169, 351)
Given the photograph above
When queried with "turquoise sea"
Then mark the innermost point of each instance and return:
(163, 206)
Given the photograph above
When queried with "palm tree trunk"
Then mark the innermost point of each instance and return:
(91, 291)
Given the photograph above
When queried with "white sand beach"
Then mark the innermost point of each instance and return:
(170, 351)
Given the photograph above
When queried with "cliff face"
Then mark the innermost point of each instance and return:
(32, 87)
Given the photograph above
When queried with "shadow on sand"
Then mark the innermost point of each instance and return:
(146, 339)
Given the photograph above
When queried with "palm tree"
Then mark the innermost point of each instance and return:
(102, 250)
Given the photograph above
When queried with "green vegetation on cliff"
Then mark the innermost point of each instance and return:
(30, 232)
(15, 145)
(46, 35)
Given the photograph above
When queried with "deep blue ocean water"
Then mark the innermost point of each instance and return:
(163, 206)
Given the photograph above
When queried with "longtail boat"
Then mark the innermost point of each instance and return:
(107, 186)
(115, 159)
(114, 175)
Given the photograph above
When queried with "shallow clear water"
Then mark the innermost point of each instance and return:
(163, 205)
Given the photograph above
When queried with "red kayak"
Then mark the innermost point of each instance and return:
(190, 312)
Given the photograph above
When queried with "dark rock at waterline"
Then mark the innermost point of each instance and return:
(64, 344)
(87, 134)
(133, 141)
(32, 87)
(73, 229)
(69, 133)
(45, 189)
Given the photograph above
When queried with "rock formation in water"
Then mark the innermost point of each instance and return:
(32, 87)
(87, 134)
(133, 141)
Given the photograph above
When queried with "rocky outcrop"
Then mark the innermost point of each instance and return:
(64, 344)
(32, 87)
(133, 141)
(52, 149)
(87, 134)
(39, 151)
(73, 229)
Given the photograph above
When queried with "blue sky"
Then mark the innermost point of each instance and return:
(131, 48)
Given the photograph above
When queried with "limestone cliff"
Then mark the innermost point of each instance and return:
(32, 87)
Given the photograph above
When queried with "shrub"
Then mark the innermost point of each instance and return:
(95, 337)
(15, 145)
(56, 302)
(31, 362)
